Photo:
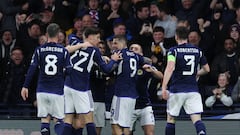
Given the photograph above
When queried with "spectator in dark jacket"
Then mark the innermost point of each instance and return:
(9, 11)
(226, 62)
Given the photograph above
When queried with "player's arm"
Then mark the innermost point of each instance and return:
(204, 70)
(109, 67)
(149, 68)
(205, 67)
(78, 46)
(147, 60)
(31, 71)
(167, 75)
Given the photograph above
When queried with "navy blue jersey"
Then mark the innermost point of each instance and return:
(188, 57)
(98, 84)
(142, 87)
(82, 61)
(125, 84)
(51, 59)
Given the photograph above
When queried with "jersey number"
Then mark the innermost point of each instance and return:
(50, 67)
(84, 57)
(132, 65)
(190, 62)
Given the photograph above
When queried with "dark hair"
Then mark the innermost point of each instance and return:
(5, 30)
(158, 29)
(16, 48)
(91, 31)
(182, 32)
(53, 30)
(118, 24)
(230, 39)
(34, 22)
(140, 5)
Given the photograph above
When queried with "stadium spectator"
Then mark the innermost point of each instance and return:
(62, 38)
(75, 34)
(234, 33)
(14, 75)
(113, 15)
(221, 93)
(237, 17)
(28, 40)
(137, 23)
(166, 21)
(227, 8)
(153, 9)
(15, 71)
(79, 26)
(93, 9)
(64, 13)
(226, 62)
(9, 9)
(119, 29)
(87, 21)
(1, 15)
(7, 44)
(42, 39)
(191, 10)
(219, 31)
(194, 38)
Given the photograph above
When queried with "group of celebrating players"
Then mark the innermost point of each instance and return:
(64, 91)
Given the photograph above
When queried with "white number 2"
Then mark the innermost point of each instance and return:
(190, 62)
(50, 67)
(84, 58)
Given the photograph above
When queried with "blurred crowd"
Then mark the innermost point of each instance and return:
(214, 27)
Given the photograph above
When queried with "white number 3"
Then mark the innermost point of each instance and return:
(190, 61)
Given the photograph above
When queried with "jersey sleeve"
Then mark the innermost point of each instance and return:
(32, 68)
(68, 64)
(171, 55)
(203, 60)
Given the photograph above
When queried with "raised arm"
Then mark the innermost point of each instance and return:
(73, 48)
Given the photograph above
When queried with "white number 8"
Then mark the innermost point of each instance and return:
(50, 67)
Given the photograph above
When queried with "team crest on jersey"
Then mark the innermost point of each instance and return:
(139, 72)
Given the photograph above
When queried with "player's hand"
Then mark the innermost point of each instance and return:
(148, 68)
(116, 56)
(106, 59)
(24, 93)
(165, 94)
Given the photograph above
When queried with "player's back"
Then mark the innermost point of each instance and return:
(51, 58)
(142, 86)
(125, 84)
(188, 57)
(82, 61)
